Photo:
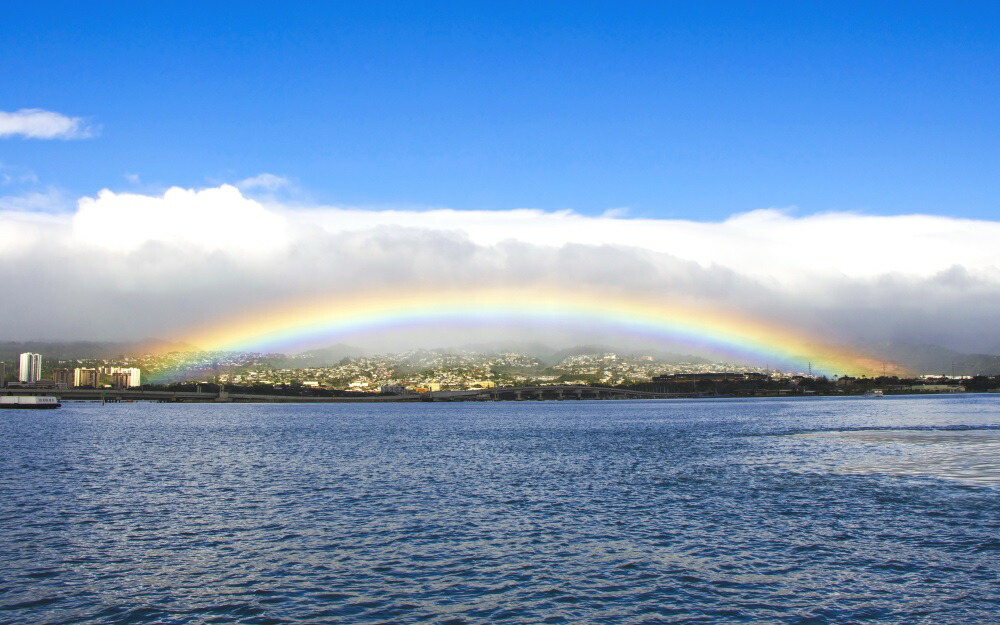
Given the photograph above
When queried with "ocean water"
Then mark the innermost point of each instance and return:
(845, 510)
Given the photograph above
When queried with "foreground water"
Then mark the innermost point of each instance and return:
(771, 511)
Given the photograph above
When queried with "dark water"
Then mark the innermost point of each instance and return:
(769, 511)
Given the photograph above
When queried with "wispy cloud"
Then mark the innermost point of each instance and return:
(615, 213)
(41, 124)
(263, 182)
(49, 201)
(16, 175)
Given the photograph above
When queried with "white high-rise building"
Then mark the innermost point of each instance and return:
(30, 369)
(124, 376)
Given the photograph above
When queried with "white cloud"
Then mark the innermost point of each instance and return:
(133, 178)
(764, 243)
(133, 265)
(216, 219)
(263, 182)
(40, 124)
(767, 244)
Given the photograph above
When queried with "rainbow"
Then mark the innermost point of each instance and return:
(315, 322)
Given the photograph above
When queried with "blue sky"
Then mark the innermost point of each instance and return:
(688, 110)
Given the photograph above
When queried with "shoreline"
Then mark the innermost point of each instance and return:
(505, 394)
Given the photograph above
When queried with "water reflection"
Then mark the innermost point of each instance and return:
(971, 456)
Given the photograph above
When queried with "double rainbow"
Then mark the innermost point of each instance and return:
(323, 320)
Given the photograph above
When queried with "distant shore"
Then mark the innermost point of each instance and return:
(533, 393)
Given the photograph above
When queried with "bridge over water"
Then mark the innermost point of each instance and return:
(515, 393)
(553, 392)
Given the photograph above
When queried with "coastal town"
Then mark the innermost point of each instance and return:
(417, 370)
(430, 371)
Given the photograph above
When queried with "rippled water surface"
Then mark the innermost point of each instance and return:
(770, 511)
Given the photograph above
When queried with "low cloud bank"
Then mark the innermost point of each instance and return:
(125, 266)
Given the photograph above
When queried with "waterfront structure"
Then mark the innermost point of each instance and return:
(30, 367)
(3, 374)
(933, 388)
(30, 402)
(394, 389)
(37, 384)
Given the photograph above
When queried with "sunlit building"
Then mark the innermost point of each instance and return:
(124, 377)
(86, 377)
(30, 367)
